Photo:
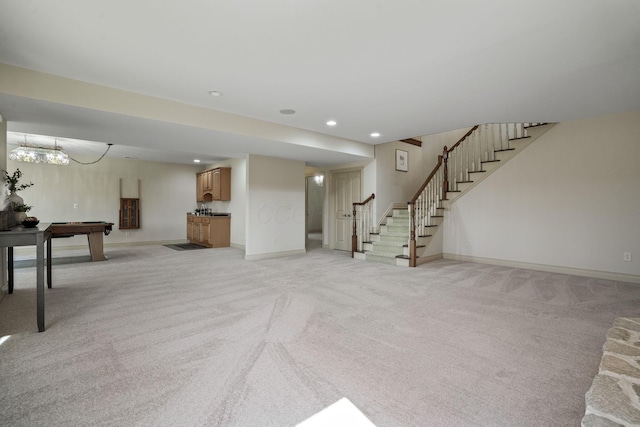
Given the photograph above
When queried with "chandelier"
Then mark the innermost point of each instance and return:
(51, 156)
(33, 154)
(37, 153)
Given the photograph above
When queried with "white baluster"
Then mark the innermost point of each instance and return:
(421, 217)
(461, 167)
(454, 173)
(486, 141)
(515, 133)
(496, 138)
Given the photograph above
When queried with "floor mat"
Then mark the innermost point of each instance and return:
(184, 246)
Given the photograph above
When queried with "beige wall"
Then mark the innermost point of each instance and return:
(167, 193)
(275, 203)
(397, 186)
(570, 199)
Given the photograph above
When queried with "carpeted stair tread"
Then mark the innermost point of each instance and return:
(393, 236)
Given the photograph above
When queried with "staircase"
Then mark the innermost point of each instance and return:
(391, 240)
(402, 240)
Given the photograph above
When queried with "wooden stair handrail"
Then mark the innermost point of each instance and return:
(433, 172)
(424, 184)
(463, 138)
(354, 234)
(442, 159)
(367, 200)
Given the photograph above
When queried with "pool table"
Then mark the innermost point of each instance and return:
(93, 229)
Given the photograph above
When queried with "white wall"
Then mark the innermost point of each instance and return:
(275, 198)
(570, 199)
(167, 193)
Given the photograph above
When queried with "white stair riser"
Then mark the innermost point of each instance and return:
(402, 262)
(397, 221)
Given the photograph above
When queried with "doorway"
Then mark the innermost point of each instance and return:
(315, 206)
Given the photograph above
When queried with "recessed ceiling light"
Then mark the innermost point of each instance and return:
(287, 111)
(332, 123)
(215, 93)
(375, 134)
(196, 160)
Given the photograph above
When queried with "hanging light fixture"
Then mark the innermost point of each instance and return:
(33, 154)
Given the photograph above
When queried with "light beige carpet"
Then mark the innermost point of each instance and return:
(157, 337)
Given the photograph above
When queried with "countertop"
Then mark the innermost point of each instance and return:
(211, 214)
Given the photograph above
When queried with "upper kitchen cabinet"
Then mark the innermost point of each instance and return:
(221, 183)
(213, 184)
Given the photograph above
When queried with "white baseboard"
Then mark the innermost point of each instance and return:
(430, 258)
(270, 255)
(237, 246)
(607, 275)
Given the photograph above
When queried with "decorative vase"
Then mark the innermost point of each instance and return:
(14, 199)
(18, 217)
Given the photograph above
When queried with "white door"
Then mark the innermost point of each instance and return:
(346, 191)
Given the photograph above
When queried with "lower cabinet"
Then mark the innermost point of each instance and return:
(209, 231)
(190, 228)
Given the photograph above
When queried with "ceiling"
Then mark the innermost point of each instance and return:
(403, 69)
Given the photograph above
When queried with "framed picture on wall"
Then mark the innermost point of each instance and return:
(402, 160)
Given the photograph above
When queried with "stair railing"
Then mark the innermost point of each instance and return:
(423, 207)
(479, 146)
(454, 167)
(362, 224)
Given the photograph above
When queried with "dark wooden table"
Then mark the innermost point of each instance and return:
(21, 236)
(93, 230)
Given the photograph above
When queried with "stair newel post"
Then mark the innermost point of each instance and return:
(354, 236)
(445, 179)
(412, 238)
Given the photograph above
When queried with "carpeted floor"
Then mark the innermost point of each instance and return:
(158, 337)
